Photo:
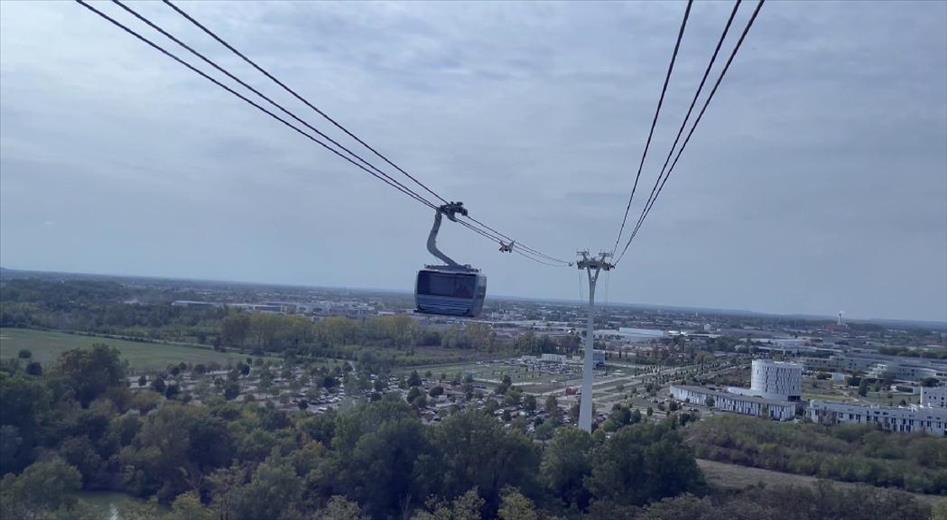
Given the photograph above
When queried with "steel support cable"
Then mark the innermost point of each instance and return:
(538, 260)
(338, 125)
(381, 175)
(498, 237)
(258, 93)
(520, 244)
(493, 238)
(700, 115)
(171, 55)
(690, 109)
(654, 121)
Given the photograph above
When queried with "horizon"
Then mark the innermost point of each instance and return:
(576, 302)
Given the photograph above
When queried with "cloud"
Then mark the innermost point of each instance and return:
(817, 181)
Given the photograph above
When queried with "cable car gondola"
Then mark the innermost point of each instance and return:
(451, 289)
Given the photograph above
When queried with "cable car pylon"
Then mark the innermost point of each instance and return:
(593, 267)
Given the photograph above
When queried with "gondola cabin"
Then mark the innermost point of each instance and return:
(451, 292)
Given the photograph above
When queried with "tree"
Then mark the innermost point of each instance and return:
(643, 462)
(436, 391)
(380, 384)
(142, 381)
(231, 390)
(552, 408)
(473, 450)
(24, 354)
(464, 507)
(565, 465)
(273, 492)
(176, 448)
(43, 487)
(420, 401)
(514, 506)
(339, 508)
(158, 385)
(709, 402)
(414, 379)
(34, 368)
(529, 403)
(188, 506)
(80, 453)
(90, 372)
(863, 388)
(378, 445)
(234, 329)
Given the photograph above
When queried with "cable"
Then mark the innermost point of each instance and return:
(338, 125)
(381, 175)
(299, 97)
(700, 115)
(497, 236)
(255, 105)
(260, 94)
(492, 238)
(520, 244)
(690, 109)
(654, 121)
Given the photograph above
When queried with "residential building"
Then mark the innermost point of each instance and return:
(934, 397)
(741, 404)
(914, 419)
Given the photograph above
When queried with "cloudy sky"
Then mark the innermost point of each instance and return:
(817, 181)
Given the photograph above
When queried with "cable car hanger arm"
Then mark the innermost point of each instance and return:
(450, 209)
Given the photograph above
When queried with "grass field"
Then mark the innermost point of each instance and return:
(47, 346)
(732, 476)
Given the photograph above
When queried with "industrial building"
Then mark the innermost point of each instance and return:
(924, 419)
(730, 402)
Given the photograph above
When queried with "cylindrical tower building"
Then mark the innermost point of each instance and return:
(779, 380)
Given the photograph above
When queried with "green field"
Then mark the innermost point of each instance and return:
(47, 346)
(732, 476)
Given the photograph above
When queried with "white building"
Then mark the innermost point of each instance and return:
(880, 366)
(934, 397)
(775, 380)
(915, 419)
(741, 404)
(553, 358)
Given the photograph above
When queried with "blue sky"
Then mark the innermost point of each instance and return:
(817, 181)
